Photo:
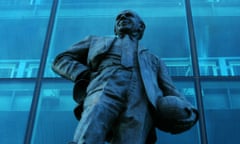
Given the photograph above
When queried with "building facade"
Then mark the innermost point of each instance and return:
(198, 40)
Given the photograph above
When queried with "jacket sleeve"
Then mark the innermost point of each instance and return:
(72, 64)
(165, 81)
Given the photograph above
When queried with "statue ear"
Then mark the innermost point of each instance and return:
(141, 27)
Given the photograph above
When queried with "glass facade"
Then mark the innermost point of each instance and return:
(15, 102)
(197, 39)
(217, 31)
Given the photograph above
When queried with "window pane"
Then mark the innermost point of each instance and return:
(15, 102)
(23, 26)
(55, 122)
(217, 33)
(189, 137)
(165, 34)
(222, 107)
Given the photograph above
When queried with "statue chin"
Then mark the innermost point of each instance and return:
(131, 34)
(123, 31)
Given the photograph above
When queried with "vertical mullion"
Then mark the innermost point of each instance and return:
(196, 74)
(37, 89)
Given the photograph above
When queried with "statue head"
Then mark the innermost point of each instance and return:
(128, 22)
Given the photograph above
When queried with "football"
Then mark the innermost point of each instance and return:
(172, 107)
(174, 114)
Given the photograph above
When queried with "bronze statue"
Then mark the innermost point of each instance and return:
(123, 91)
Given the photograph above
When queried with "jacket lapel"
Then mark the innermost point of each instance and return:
(98, 47)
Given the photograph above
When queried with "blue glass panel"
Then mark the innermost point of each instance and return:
(15, 102)
(23, 26)
(222, 107)
(217, 34)
(165, 34)
(55, 121)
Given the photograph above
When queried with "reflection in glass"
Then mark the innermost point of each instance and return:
(55, 121)
(217, 36)
(15, 102)
(222, 107)
(22, 30)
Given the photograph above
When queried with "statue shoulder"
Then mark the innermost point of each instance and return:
(149, 55)
(92, 39)
(95, 37)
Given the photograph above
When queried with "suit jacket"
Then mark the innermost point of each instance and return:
(85, 56)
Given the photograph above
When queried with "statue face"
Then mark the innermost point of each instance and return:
(128, 22)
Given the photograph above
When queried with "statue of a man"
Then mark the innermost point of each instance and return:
(119, 88)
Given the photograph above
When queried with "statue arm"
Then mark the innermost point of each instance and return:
(165, 81)
(184, 116)
(72, 64)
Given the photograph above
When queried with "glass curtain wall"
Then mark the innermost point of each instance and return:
(217, 36)
(15, 103)
(166, 35)
(216, 24)
(23, 27)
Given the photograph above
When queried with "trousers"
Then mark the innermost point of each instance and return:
(115, 105)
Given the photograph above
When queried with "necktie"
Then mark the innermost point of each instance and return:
(128, 51)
